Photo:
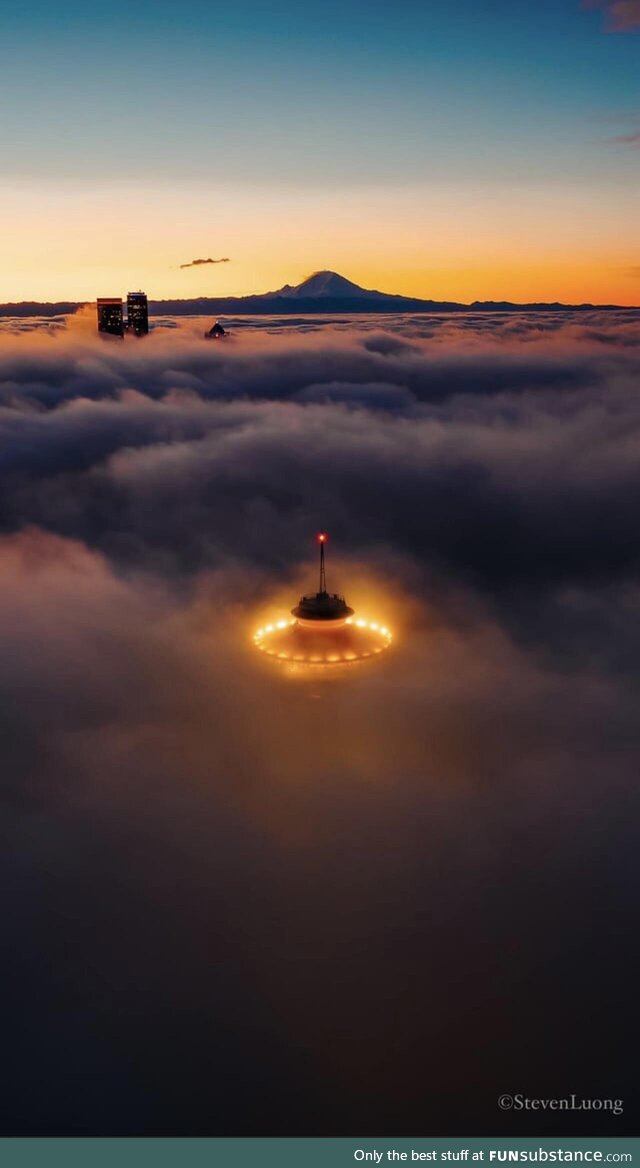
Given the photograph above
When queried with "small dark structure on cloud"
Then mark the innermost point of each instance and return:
(216, 332)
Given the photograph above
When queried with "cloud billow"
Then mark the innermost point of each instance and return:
(378, 428)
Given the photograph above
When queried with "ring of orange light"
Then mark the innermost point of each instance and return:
(261, 639)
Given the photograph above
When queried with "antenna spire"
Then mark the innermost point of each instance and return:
(322, 539)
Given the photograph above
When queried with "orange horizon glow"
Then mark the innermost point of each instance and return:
(443, 243)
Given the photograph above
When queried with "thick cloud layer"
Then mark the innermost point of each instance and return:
(240, 904)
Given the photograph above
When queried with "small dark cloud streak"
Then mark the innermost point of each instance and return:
(198, 263)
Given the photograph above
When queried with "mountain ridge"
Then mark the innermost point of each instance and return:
(323, 291)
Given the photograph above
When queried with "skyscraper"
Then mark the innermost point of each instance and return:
(138, 313)
(110, 316)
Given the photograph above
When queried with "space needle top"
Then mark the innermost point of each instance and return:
(322, 606)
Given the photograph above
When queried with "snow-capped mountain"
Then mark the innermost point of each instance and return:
(324, 285)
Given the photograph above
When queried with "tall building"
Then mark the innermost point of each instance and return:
(110, 316)
(138, 313)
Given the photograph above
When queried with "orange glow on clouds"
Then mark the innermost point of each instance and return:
(336, 643)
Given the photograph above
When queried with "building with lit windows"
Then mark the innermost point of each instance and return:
(138, 313)
(110, 316)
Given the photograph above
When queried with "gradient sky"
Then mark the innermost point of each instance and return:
(450, 151)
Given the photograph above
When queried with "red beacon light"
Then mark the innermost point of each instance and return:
(322, 537)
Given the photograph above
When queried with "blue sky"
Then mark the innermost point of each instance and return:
(324, 98)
